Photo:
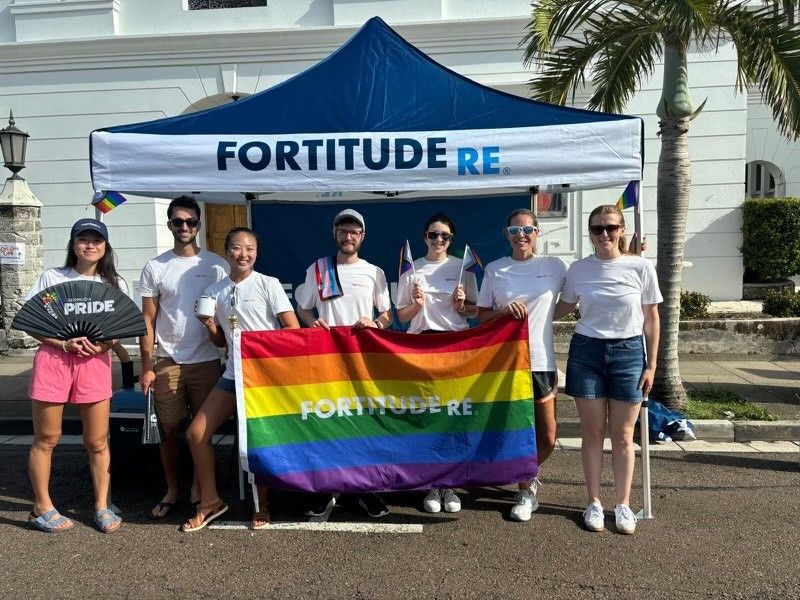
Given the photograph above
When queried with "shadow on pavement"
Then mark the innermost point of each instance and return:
(748, 461)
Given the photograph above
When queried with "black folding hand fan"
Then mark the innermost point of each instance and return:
(80, 308)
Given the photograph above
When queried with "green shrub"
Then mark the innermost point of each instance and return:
(771, 237)
(782, 304)
(694, 305)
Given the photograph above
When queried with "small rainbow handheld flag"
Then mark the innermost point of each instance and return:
(630, 197)
(107, 201)
(346, 410)
(406, 261)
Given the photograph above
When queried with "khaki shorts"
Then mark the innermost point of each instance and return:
(180, 390)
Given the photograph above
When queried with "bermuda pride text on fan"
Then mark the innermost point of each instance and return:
(88, 307)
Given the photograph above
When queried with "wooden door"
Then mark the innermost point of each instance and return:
(220, 218)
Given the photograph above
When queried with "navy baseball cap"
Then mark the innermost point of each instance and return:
(92, 225)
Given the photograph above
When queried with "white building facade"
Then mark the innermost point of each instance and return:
(68, 67)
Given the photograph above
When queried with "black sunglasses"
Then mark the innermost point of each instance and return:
(433, 235)
(599, 229)
(178, 223)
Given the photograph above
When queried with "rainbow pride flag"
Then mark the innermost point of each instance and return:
(629, 197)
(108, 201)
(372, 410)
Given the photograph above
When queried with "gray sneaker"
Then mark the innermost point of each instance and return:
(433, 501)
(452, 503)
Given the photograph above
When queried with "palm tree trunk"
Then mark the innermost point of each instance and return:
(674, 184)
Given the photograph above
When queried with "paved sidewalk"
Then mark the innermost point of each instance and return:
(773, 383)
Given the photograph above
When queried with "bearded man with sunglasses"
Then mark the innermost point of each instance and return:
(345, 290)
(186, 366)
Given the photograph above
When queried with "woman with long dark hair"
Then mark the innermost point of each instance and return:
(608, 370)
(76, 371)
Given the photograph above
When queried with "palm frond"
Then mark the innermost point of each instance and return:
(556, 19)
(562, 72)
(686, 19)
(769, 57)
(630, 46)
(619, 47)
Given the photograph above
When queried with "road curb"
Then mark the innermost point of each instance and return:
(709, 430)
(719, 430)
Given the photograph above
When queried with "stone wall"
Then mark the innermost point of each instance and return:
(760, 337)
(20, 222)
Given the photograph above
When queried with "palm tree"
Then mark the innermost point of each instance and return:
(619, 42)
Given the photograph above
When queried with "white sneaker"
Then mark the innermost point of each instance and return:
(626, 520)
(433, 502)
(451, 502)
(593, 517)
(524, 506)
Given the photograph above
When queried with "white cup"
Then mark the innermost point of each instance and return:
(205, 306)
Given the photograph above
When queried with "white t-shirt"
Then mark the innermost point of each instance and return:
(57, 275)
(438, 281)
(365, 289)
(178, 282)
(536, 282)
(611, 294)
(256, 301)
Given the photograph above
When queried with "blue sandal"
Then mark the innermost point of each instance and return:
(50, 521)
(106, 521)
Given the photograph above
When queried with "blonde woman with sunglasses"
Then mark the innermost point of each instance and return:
(608, 371)
(433, 299)
(527, 285)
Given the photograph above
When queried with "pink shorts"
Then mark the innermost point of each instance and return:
(63, 377)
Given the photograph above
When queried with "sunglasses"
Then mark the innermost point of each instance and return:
(178, 223)
(599, 229)
(435, 235)
(513, 230)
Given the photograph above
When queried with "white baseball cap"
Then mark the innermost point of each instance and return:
(349, 213)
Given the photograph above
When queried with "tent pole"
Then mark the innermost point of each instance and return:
(638, 225)
(644, 430)
(248, 202)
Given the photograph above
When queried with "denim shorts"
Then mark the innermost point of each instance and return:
(605, 368)
(227, 385)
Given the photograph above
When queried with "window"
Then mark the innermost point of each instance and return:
(205, 4)
(790, 14)
(762, 179)
(551, 202)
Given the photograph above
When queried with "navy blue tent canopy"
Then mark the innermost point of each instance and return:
(376, 114)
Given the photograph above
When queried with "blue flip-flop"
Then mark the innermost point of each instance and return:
(49, 521)
(106, 521)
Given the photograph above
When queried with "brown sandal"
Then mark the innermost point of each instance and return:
(261, 519)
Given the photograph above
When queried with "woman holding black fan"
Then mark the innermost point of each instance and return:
(74, 370)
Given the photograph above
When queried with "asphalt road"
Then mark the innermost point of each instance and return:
(726, 526)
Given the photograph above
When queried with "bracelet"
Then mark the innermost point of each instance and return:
(378, 324)
(64, 345)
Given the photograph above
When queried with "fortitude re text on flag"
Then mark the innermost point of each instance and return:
(371, 410)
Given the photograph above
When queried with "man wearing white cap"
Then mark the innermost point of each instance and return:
(346, 290)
